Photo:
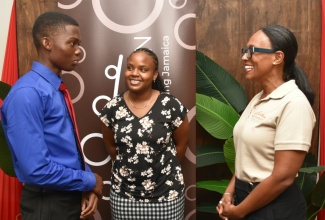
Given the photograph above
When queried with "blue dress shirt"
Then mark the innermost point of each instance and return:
(40, 134)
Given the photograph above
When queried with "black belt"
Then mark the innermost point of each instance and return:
(45, 190)
(245, 186)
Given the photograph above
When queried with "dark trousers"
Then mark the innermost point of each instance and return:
(43, 204)
(289, 205)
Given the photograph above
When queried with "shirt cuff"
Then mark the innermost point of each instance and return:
(89, 180)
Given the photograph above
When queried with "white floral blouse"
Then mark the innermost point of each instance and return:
(146, 168)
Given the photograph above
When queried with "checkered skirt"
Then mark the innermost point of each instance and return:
(123, 208)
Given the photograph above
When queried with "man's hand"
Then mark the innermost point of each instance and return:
(89, 204)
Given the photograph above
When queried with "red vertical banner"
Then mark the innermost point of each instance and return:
(321, 215)
(10, 188)
(10, 63)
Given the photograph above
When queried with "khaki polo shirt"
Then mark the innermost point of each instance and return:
(284, 120)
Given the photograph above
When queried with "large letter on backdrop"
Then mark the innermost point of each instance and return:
(110, 31)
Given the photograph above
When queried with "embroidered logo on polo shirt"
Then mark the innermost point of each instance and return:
(258, 116)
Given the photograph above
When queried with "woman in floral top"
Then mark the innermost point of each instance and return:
(146, 133)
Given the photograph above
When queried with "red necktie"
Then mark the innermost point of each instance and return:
(68, 102)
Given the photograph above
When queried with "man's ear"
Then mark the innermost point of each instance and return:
(46, 42)
(278, 58)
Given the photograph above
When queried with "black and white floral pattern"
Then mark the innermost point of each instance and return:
(146, 168)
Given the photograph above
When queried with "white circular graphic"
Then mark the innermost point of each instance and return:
(188, 153)
(73, 5)
(105, 197)
(178, 39)
(186, 192)
(81, 82)
(84, 52)
(82, 143)
(123, 28)
(188, 216)
(177, 7)
(96, 100)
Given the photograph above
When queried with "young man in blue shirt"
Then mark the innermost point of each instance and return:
(40, 133)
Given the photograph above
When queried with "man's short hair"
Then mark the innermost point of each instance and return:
(50, 23)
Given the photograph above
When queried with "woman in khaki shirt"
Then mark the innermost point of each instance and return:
(273, 134)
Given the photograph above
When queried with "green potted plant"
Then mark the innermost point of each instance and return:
(219, 101)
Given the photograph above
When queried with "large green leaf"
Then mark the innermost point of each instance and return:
(308, 174)
(217, 118)
(208, 155)
(207, 207)
(318, 195)
(312, 212)
(310, 170)
(4, 90)
(230, 154)
(213, 185)
(212, 80)
(5, 157)
(317, 199)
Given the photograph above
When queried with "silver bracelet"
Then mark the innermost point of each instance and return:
(228, 193)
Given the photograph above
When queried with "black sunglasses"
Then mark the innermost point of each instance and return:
(251, 50)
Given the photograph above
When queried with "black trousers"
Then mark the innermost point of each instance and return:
(44, 204)
(289, 205)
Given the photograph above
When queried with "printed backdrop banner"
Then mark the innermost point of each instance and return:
(110, 31)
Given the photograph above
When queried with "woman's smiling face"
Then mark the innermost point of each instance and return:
(260, 64)
(140, 72)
